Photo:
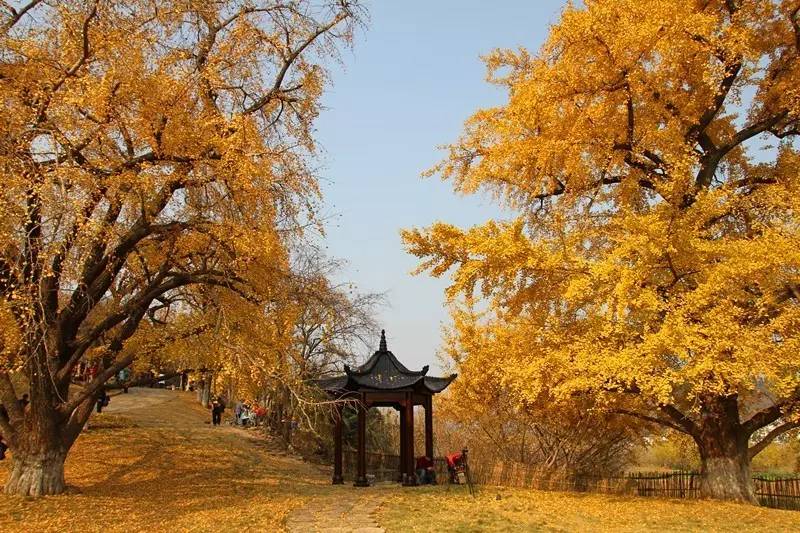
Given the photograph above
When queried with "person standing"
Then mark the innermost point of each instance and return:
(237, 413)
(122, 378)
(217, 408)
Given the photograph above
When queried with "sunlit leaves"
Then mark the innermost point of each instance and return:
(654, 252)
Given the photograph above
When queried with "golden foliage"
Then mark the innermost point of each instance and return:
(653, 262)
(157, 176)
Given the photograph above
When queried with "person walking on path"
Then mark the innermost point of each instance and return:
(217, 408)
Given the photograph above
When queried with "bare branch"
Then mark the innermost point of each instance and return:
(287, 64)
(17, 14)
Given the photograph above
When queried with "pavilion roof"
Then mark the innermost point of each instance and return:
(383, 371)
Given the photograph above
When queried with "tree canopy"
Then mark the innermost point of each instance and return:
(648, 152)
(155, 155)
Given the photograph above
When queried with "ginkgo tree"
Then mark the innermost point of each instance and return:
(150, 150)
(272, 354)
(648, 152)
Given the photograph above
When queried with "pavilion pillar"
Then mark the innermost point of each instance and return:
(338, 479)
(361, 475)
(429, 427)
(403, 464)
(411, 479)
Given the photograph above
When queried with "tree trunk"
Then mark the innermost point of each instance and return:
(43, 438)
(725, 463)
(286, 420)
(205, 391)
(727, 478)
(37, 472)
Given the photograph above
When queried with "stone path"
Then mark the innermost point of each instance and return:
(349, 513)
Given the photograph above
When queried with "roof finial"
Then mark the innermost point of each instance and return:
(383, 342)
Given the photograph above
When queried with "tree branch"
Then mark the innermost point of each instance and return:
(764, 417)
(681, 419)
(289, 61)
(52, 279)
(716, 104)
(12, 419)
(769, 437)
(17, 14)
(652, 419)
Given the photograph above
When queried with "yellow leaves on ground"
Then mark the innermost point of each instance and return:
(171, 471)
(498, 509)
(152, 463)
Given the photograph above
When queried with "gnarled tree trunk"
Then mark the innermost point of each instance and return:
(37, 472)
(725, 461)
(726, 471)
(38, 455)
(42, 439)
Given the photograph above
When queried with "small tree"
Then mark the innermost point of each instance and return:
(149, 150)
(654, 264)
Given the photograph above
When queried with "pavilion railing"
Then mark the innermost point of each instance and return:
(385, 467)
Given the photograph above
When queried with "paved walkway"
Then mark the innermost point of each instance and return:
(347, 513)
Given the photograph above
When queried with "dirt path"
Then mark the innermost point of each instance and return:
(158, 408)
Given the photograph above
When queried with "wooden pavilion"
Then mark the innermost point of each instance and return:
(383, 381)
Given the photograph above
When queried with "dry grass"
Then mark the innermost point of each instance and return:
(436, 509)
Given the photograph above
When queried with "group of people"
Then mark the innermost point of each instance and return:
(85, 371)
(244, 414)
(426, 473)
(22, 403)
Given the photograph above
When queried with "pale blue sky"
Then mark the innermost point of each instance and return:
(412, 78)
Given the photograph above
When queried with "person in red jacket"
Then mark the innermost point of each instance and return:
(426, 475)
(455, 462)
